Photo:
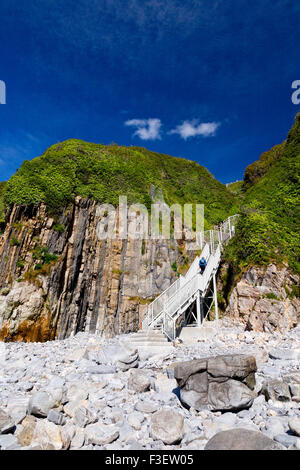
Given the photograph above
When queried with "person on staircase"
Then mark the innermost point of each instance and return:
(202, 265)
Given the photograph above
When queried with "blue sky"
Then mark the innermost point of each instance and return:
(209, 80)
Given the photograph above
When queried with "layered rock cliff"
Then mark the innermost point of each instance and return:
(57, 278)
(264, 299)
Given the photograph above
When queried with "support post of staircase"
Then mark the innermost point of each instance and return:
(215, 297)
(198, 308)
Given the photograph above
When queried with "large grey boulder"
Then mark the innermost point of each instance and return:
(237, 366)
(167, 426)
(222, 383)
(229, 395)
(241, 439)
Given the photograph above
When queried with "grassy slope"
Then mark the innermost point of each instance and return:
(103, 173)
(269, 225)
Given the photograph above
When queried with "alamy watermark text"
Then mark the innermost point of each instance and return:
(2, 92)
(296, 94)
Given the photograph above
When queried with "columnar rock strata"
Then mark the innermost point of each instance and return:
(95, 286)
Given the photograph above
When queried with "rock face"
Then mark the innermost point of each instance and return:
(89, 285)
(223, 383)
(241, 439)
(24, 312)
(263, 300)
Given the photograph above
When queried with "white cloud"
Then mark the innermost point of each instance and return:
(193, 128)
(147, 129)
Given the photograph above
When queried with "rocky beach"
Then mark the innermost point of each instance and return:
(87, 392)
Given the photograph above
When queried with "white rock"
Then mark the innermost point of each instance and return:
(135, 420)
(78, 440)
(99, 434)
(77, 391)
(146, 406)
(17, 408)
(165, 385)
(41, 403)
(3, 353)
(47, 434)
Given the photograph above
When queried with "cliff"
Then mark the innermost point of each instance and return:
(260, 278)
(58, 279)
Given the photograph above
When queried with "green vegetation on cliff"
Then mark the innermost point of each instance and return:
(104, 172)
(2, 208)
(268, 228)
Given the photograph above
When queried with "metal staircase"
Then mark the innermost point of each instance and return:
(163, 313)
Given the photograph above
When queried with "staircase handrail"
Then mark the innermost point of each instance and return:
(212, 254)
(203, 281)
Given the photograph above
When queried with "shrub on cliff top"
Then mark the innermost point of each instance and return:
(268, 228)
(104, 172)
